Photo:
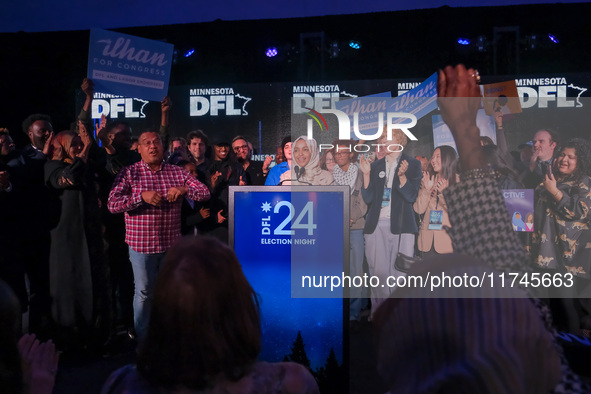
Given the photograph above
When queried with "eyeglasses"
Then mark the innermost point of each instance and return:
(237, 148)
(341, 153)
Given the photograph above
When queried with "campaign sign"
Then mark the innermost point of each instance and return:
(129, 66)
(367, 109)
(520, 204)
(442, 134)
(418, 101)
(501, 97)
(281, 234)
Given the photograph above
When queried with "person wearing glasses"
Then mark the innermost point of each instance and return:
(255, 172)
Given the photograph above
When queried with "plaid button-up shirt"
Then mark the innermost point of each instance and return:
(152, 229)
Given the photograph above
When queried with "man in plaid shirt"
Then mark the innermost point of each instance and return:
(150, 193)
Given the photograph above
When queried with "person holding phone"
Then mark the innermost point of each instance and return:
(562, 237)
(544, 144)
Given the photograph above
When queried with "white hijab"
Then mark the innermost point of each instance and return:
(313, 174)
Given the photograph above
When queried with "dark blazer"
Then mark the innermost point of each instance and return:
(254, 174)
(402, 197)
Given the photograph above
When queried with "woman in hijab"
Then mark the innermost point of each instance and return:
(306, 170)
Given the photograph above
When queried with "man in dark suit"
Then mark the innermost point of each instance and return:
(390, 187)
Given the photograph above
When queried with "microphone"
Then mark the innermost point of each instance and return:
(299, 171)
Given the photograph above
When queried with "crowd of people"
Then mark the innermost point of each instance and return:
(95, 229)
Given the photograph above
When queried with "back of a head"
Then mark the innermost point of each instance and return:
(478, 340)
(11, 377)
(204, 322)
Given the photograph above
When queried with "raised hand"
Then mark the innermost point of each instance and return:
(550, 183)
(402, 168)
(86, 140)
(214, 178)
(166, 104)
(266, 163)
(533, 160)
(364, 165)
(242, 182)
(87, 87)
(459, 100)
(102, 131)
(84, 134)
(428, 180)
(442, 184)
(47, 146)
(499, 119)
(42, 361)
(458, 97)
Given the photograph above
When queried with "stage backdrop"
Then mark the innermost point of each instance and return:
(262, 112)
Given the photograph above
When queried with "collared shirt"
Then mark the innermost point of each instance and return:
(152, 229)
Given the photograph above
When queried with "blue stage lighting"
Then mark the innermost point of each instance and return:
(354, 44)
(463, 41)
(271, 52)
(553, 38)
(189, 52)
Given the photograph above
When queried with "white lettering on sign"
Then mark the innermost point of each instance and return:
(212, 101)
(122, 50)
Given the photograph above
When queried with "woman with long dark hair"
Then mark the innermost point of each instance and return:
(561, 241)
(433, 239)
(204, 333)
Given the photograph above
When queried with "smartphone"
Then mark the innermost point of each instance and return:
(370, 156)
(546, 168)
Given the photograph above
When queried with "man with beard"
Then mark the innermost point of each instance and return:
(150, 193)
(255, 171)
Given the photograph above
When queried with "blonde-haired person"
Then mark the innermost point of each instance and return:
(306, 169)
